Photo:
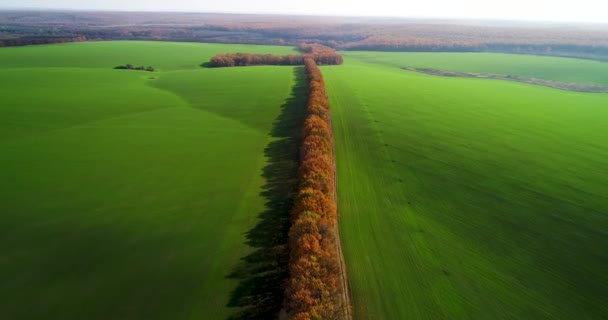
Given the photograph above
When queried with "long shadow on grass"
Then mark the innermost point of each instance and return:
(259, 294)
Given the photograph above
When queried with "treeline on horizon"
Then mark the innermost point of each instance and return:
(30, 27)
(36, 41)
(314, 288)
(421, 44)
(321, 55)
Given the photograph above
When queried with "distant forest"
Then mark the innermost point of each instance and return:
(375, 34)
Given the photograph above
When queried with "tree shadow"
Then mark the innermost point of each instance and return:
(259, 294)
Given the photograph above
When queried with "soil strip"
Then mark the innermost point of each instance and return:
(346, 306)
(569, 86)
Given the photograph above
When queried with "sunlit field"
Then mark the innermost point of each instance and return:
(138, 195)
(470, 198)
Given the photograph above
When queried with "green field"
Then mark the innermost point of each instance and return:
(136, 195)
(550, 68)
(125, 196)
(471, 198)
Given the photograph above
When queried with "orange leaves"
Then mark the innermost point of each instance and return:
(321, 54)
(315, 144)
(318, 53)
(313, 286)
(320, 163)
(313, 200)
(315, 125)
(250, 59)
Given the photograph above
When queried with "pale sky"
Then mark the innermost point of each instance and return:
(544, 10)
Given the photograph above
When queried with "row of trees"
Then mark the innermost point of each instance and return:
(322, 55)
(426, 44)
(36, 41)
(314, 288)
(250, 59)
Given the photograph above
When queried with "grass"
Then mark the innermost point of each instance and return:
(177, 56)
(470, 198)
(550, 68)
(126, 197)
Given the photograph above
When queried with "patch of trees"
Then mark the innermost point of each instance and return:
(314, 288)
(132, 67)
(322, 55)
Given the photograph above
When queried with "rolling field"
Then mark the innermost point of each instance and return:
(550, 68)
(135, 195)
(471, 198)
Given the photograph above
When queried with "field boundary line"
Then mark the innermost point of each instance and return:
(560, 85)
(346, 304)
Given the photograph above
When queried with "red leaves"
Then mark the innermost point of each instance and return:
(313, 288)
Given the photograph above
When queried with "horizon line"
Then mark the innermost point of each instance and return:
(472, 19)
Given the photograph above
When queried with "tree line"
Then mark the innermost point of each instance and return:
(26, 41)
(314, 289)
(461, 44)
(341, 33)
(322, 55)
(251, 59)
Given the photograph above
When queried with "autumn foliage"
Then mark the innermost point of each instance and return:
(250, 59)
(314, 289)
(322, 55)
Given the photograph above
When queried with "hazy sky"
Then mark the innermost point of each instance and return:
(556, 10)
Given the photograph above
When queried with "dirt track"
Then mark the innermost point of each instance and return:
(569, 86)
(347, 311)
